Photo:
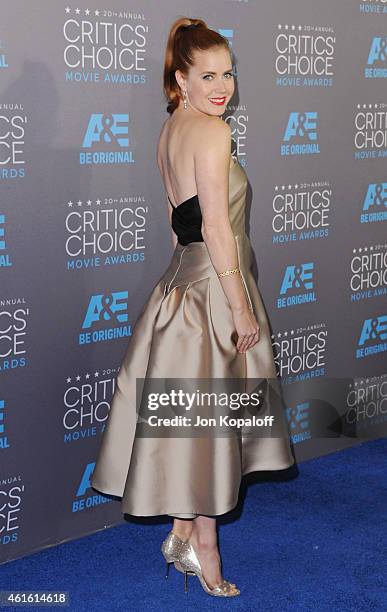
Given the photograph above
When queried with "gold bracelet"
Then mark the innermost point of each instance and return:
(227, 272)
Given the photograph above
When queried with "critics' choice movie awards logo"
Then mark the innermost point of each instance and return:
(105, 316)
(106, 140)
(375, 204)
(300, 354)
(11, 507)
(13, 123)
(298, 417)
(238, 122)
(300, 136)
(297, 286)
(368, 272)
(4, 442)
(373, 337)
(301, 212)
(105, 46)
(372, 7)
(5, 258)
(377, 58)
(370, 131)
(85, 496)
(14, 319)
(86, 403)
(367, 402)
(105, 232)
(304, 56)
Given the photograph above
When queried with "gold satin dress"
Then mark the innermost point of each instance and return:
(185, 329)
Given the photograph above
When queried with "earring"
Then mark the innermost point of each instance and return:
(185, 99)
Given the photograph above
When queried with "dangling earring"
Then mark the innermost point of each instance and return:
(185, 99)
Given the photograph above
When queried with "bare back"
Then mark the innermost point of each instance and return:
(179, 138)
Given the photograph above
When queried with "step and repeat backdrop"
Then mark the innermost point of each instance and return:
(84, 231)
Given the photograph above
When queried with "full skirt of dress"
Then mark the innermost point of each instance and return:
(185, 330)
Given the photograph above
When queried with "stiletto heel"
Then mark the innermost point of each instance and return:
(167, 568)
(186, 573)
(188, 562)
(170, 549)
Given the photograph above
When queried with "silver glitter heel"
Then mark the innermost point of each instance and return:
(170, 549)
(188, 563)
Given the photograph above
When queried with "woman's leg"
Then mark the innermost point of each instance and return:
(204, 539)
(182, 528)
(202, 535)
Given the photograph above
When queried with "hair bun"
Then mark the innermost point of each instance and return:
(191, 26)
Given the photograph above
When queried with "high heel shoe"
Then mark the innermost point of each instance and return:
(188, 563)
(170, 549)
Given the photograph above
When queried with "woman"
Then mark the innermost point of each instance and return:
(200, 321)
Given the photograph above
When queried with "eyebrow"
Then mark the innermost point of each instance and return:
(210, 72)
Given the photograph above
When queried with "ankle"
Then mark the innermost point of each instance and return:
(183, 534)
(202, 545)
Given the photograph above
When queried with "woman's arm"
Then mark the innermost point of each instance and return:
(212, 166)
(174, 237)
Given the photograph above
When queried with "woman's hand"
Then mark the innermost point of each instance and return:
(247, 329)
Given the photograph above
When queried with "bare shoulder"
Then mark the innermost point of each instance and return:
(212, 137)
(211, 128)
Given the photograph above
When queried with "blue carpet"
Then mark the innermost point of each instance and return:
(315, 540)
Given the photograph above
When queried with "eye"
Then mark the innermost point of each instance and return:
(210, 75)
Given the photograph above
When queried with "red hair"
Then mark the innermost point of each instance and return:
(182, 42)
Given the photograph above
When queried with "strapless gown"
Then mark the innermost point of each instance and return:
(185, 329)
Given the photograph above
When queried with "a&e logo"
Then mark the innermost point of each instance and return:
(300, 137)
(3, 60)
(298, 281)
(375, 203)
(83, 500)
(373, 337)
(110, 307)
(5, 260)
(3, 438)
(107, 131)
(227, 33)
(298, 419)
(378, 56)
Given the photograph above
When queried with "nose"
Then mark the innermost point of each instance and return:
(221, 89)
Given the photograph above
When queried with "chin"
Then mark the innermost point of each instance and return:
(218, 111)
